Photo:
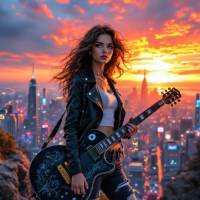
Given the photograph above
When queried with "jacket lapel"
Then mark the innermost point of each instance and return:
(94, 93)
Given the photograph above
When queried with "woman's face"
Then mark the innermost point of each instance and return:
(102, 46)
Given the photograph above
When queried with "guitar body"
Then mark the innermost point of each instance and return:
(49, 172)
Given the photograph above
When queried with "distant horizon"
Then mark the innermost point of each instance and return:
(120, 85)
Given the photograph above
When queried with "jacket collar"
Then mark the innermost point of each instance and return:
(90, 78)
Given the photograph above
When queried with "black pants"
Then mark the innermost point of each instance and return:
(115, 184)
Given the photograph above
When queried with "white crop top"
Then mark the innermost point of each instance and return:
(110, 105)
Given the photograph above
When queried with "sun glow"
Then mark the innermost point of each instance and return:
(161, 76)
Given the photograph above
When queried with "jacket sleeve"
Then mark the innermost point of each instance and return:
(71, 126)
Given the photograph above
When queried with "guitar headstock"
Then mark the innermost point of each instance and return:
(171, 96)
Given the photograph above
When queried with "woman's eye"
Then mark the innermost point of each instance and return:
(108, 46)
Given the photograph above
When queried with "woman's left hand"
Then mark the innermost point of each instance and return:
(132, 129)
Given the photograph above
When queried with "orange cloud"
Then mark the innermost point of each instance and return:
(117, 8)
(43, 9)
(11, 55)
(58, 40)
(100, 17)
(173, 29)
(181, 13)
(118, 18)
(79, 9)
(195, 16)
(32, 55)
(63, 1)
(99, 1)
(142, 4)
(13, 6)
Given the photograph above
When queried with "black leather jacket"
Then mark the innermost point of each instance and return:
(84, 112)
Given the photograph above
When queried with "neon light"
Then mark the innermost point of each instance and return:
(44, 101)
(172, 147)
(160, 129)
(197, 103)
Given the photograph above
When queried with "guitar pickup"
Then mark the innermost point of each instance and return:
(64, 174)
(94, 154)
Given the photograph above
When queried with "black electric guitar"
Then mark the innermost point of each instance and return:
(49, 171)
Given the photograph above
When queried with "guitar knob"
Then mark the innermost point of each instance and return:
(172, 105)
(175, 102)
(178, 100)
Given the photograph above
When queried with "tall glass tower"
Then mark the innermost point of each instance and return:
(33, 103)
(197, 112)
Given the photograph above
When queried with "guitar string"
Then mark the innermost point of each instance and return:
(85, 157)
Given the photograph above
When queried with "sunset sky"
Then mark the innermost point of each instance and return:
(165, 35)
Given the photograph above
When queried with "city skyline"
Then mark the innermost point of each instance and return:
(164, 38)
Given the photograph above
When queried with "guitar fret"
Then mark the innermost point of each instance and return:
(153, 108)
(99, 147)
(117, 133)
(135, 122)
(149, 111)
(113, 138)
(123, 131)
(105, 144)
(109, 141)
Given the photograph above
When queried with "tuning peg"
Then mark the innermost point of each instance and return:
(175, 102)
(172, 105)
(162, 92)
(177, 95)
(169, 88)
(165, 90)
(178, 100)
(174, 97)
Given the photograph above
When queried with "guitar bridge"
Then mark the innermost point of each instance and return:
(92, 151)
(64, 173)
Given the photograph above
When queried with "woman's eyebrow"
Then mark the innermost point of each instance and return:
(102, 43)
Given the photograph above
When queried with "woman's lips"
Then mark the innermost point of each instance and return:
(104, 57)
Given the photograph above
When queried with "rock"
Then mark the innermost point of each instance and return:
(14, 180)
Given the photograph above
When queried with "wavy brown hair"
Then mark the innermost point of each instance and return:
(79, 58)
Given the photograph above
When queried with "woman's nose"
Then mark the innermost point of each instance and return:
(105, 50)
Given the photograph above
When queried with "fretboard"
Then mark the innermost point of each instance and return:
(121, 132)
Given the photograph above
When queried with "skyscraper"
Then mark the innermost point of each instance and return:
(144, 93)
(197, 112)
(33, 103)
(12, 125)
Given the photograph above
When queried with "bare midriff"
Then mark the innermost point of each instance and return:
(108, 130)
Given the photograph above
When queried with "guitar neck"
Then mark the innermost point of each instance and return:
(121, 132)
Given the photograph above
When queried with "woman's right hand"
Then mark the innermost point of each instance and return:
(78, 183)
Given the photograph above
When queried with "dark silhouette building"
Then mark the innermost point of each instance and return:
(144, 93)
(33, 103)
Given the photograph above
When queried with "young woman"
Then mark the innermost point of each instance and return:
(93, 102)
